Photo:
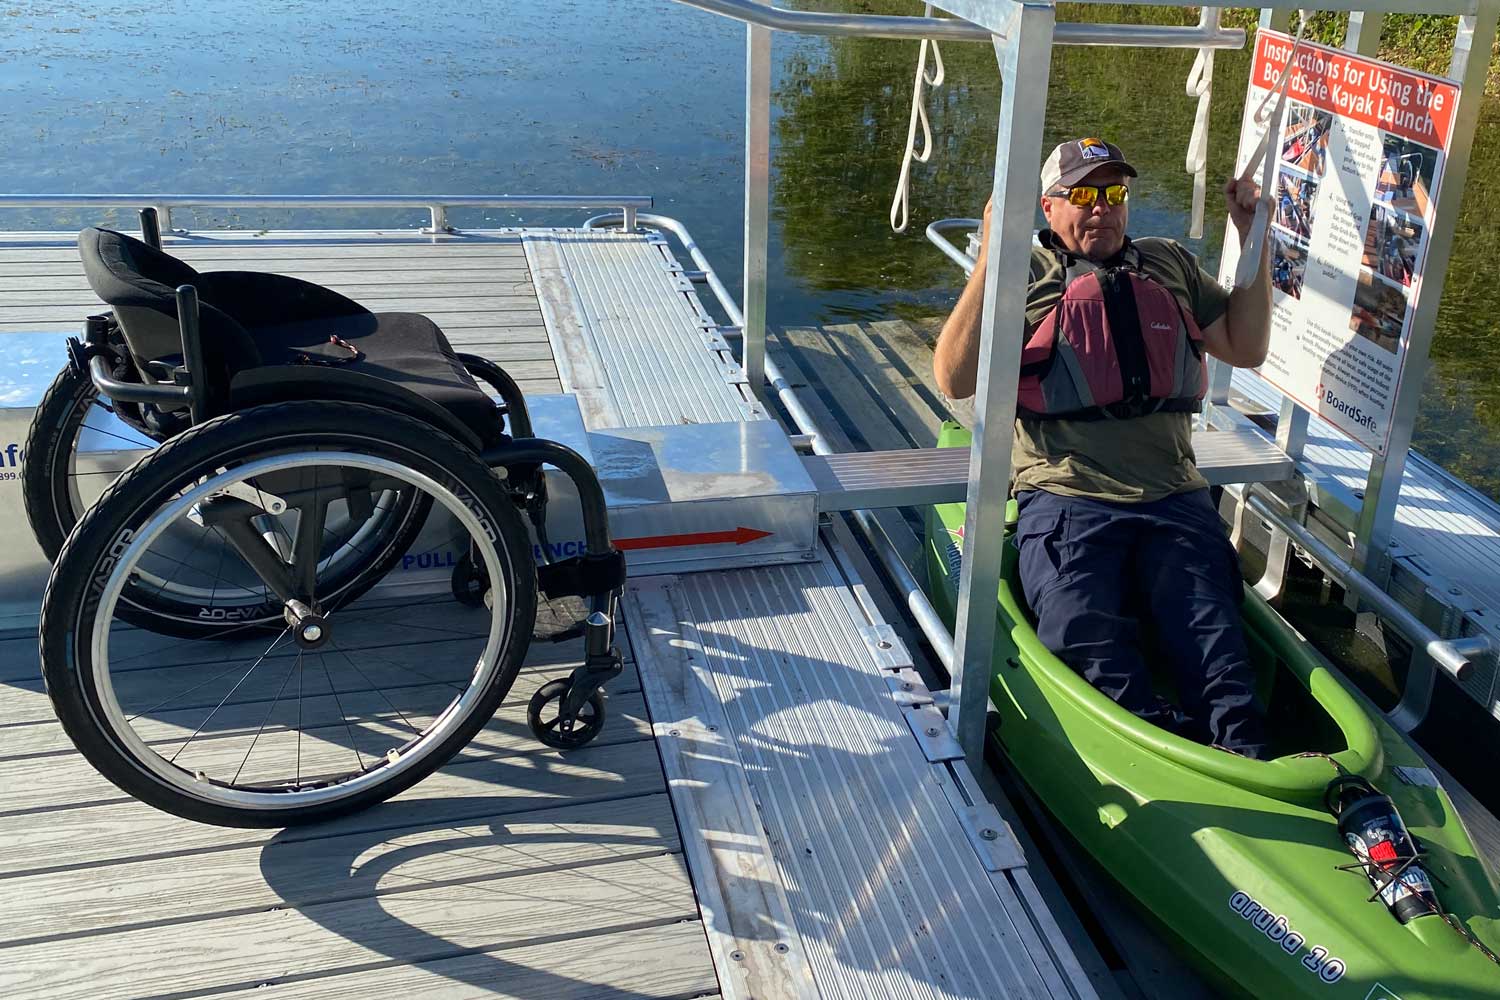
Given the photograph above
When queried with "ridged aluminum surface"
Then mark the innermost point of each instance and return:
(642, 330)
(1448, 525)
(888, 897)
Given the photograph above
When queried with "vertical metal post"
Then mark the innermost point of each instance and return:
(439, 215)
(164, 218)
(757, 199)
(1025, 57)
(1363, 36)
(150, 228)
(1219, 373)
(1291, 428)
(1377, 515)
(628, 221)
(192, 352)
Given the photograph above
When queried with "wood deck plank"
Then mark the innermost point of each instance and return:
(112, 833)
(826, 368)
(641, 964)
(913, 357)
(162, 891)
(23, 701)
(791, 363)
(886, 384)
(248, 950)
(66, 780)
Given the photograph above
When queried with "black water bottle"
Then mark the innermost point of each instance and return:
(1374, 832)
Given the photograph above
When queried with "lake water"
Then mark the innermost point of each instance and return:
(633, 96)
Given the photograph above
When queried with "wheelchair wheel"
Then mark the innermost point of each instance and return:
(351, 699)
(55, 489)
(58, 488)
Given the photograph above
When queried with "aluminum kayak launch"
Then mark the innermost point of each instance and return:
(1237, 860)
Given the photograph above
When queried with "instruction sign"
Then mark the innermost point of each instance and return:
(1359, 161)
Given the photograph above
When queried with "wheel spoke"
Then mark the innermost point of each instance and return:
(232, 690)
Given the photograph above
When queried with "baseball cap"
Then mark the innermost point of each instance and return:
(1075, 159)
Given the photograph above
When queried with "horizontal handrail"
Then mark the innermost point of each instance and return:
(807, 22)
(437, 205)
(937, 235)
(1453, 655)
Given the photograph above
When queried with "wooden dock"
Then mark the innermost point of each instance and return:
(516, 871)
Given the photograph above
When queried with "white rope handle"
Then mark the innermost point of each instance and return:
(901, 203)
(1200, 84)
(1254, 247)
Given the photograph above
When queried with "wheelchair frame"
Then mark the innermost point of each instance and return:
(597, 574)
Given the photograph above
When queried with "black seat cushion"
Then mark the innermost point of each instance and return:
(252, 320)
(405, 348)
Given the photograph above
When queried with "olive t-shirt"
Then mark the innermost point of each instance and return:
(1127, 461)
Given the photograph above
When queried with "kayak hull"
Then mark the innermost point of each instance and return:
(1239, 859)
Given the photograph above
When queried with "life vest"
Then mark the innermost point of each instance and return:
(1117, 345)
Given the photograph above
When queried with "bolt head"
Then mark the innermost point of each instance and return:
(989, 834)
(312, 633)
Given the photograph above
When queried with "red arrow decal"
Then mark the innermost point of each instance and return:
(739, 536)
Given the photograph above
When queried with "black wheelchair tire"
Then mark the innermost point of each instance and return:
(49, 446)
(68, 614)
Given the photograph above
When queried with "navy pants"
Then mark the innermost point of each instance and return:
(1109, 580)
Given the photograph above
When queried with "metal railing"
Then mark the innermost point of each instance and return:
(436, 205)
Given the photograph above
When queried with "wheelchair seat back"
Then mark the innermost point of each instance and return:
(139, 283)
(254, 326)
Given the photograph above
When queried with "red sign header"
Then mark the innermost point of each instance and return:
(1410, 105)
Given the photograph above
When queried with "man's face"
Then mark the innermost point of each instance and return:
(1097, 232)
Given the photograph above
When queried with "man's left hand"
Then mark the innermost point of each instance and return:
(1240, 198)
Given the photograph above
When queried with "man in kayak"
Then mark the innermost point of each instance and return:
(1120, 542)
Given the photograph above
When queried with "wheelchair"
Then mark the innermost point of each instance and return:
(228, 633)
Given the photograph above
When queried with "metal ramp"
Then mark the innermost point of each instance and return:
(631, 340)
(839, 845)
(849, 858)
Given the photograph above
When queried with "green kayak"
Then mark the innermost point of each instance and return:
(1239, 861)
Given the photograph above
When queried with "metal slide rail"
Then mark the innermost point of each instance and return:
(437, 206)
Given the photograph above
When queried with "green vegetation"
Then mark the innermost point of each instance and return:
(841, 124)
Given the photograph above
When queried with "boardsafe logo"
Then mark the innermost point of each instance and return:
(1351, 410)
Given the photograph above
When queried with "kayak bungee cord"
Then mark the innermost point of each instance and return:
(1251, 252)
(1387, 854)
(901, 203)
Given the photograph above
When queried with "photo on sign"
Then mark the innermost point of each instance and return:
(1288, 264)
(1293, 204)
(1304, 143)
(1379, 312)
(1391, 244)
(1406, 173)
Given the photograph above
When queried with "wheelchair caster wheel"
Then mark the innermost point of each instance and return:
(544, 715)
(470, 587)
